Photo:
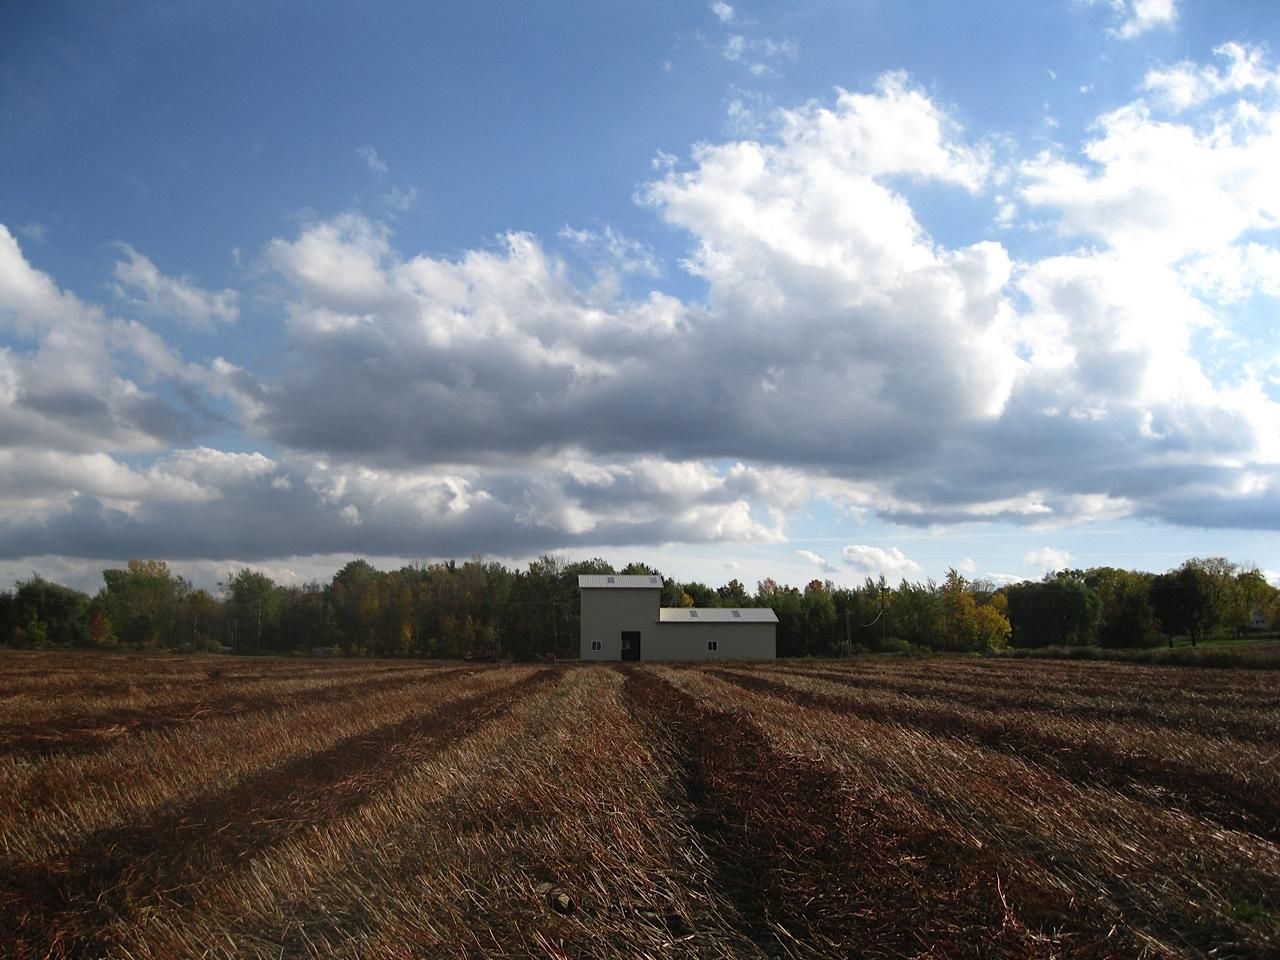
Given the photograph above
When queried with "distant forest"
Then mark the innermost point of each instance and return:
(484, 609)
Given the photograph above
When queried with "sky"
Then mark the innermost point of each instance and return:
(820, 289)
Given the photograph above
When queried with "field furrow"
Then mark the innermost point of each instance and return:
(115, 870)
(96, 725)
(216, 807)
(1239, 788)
(53, 802)
(1170, 880)
(813, 861)
(556, 825)
(1254, 719)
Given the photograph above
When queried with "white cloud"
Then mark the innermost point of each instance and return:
(808, 556)
(63, 385)
(500, 399)
(828, 305)
(370, 156)
(1139, 16)
(723, 11)
(1162, 190)
(1048, 559)
(1006, 212)
(400, 199)
(395, 198)
(1185, 85)
(613, 250)
(868, 561)
(142, 284)
(896, 130)
(336, 264)
(758, 54)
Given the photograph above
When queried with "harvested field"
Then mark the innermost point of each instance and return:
(217, 807)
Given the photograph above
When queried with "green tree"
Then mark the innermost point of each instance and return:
(1253, 595)
(1188, 601)
(637, 569)
(144, 603)
(818, 620)
(733, 594)
(52, 613)
(253, 612)
(1059, 610)
(788, 605)
(699, 594)
(352, 595)
(1126, 616)
(916, 614)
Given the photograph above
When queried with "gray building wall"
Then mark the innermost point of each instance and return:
(734, 641)
(606, 613)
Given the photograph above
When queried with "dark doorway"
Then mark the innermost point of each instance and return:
(630, 644)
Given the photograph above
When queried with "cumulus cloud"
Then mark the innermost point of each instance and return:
(141, 283)
(503, 352)
(520, 397)
(1048, 559)
(868, 561)
(611, 250)
(202, 503)
(829, 306)
(65, 384)
(1160, 189)
(1186, 84)
(1136, 17)
(723, 11)
(808, 556)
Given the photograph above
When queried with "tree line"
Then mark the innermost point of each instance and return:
(484, 609)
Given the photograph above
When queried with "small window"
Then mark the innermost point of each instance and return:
(711, 644)
(611, 580)
(653, 580)
(737, 614)
(693, 614)
(595, 644)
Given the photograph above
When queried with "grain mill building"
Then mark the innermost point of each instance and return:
(623, 619)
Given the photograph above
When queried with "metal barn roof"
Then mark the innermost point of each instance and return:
(617, 581)
(716, 615)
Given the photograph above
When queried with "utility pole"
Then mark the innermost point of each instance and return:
(848, 637)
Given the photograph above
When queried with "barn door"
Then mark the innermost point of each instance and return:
(630, 644)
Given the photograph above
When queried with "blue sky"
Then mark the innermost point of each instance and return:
(818, 289)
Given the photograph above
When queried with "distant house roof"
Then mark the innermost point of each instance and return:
(617, 581)
(716, 615)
